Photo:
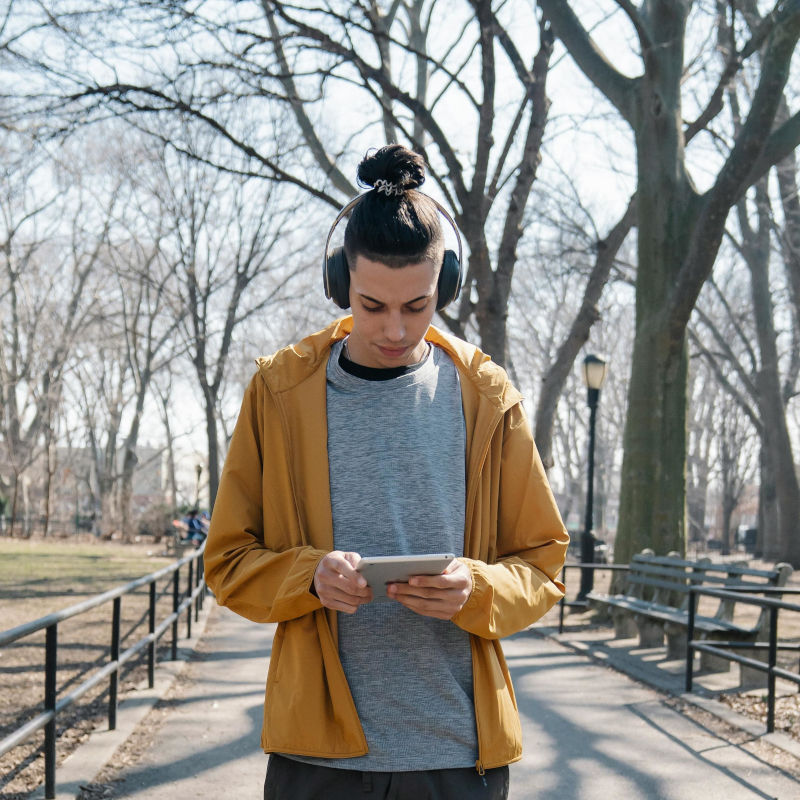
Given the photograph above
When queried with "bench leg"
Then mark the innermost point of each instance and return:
(750, 678)
(651, 634)
(676, 641)
(624, 625)
(711, 663)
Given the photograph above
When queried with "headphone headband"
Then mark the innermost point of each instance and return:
(352, 204)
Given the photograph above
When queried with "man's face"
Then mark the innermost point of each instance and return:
(392, 308)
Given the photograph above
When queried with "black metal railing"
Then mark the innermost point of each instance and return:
(189, 600)
(725, 649)
(564, 603)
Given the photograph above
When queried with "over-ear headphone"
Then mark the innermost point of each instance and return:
(336, 272)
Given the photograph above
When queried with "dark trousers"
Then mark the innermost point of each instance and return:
(292, 780)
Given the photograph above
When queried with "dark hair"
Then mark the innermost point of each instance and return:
(394, 224)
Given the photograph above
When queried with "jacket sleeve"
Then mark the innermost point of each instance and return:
(521, 585)
(250, 563)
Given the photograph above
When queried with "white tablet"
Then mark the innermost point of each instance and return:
(381, 570)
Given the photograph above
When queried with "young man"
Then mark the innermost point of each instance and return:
(383, 436)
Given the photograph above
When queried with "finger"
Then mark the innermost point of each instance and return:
(428, 608)
(340, 605)
(333, 596)
(338, 566)
(407, 590)
(341, 563)
(341, 586)
(352, 558)
(434, 581)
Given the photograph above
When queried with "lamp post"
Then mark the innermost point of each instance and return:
(199, 471)
(594, 374)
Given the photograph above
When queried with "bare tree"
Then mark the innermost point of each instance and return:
(403, 66)
(680, 228)
(234, 258)
(48, 255)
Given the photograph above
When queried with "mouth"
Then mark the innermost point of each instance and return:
(393, 352)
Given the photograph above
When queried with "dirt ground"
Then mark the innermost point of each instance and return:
(38, 578)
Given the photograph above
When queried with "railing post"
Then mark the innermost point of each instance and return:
(175, 604)
(690, 639)
(563, 600)
(50, 667)
(151, 628)
(189, 583)
(201, 576)
(113, 689)
(197, 582)
(773, 660)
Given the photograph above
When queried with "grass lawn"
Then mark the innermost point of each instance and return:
(38, 577)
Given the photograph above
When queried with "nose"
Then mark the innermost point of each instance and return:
(395, 329)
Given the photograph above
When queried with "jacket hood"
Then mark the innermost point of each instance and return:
(292, 365)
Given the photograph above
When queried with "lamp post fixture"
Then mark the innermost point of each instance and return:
(594, 374)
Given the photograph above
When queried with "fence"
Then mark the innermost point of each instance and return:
(724, 648)
(190, 601)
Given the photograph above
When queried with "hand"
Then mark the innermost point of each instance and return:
(337, 583)
(439, 596)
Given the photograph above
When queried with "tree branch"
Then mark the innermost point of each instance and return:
(633, 15)
(754, 143)
(124, 95)
(618, 88)
(328, 167)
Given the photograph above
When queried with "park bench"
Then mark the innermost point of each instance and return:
(655, 601)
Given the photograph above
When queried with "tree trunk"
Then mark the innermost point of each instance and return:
(213, 448)
(652, 500)
(171, 471)
(50, 453)
(775, 433)
(14, 504)
(768, 516)
(653, 490)
(697, 494)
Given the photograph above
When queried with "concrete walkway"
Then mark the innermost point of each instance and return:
(590, 733)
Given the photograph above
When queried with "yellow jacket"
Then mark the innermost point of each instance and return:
(272, 524)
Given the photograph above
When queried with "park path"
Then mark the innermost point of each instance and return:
(590, 732)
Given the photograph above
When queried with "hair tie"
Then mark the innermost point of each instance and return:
(387, 187)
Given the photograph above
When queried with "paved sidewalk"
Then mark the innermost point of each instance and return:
(590, 732)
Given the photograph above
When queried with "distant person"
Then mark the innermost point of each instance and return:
(195, 529)
(382, 435)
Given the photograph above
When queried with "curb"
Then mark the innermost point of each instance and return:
(83, 765)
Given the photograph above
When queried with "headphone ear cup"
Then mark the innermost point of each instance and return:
(449, 280)
(337, 278)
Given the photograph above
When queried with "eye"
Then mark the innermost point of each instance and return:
(419, 310)
(372, 309)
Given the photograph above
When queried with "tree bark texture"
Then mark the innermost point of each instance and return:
(653, 494)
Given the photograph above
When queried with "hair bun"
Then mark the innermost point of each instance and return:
(393, 163)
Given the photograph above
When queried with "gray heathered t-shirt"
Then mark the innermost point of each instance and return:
(396, 453)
